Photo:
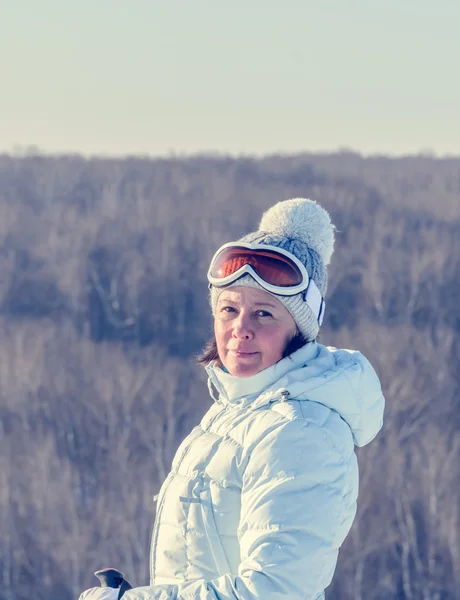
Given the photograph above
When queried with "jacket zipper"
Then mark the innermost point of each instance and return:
(282, 397)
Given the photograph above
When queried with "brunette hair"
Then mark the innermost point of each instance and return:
(209, 352)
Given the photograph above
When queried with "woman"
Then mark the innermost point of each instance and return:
(263, 492)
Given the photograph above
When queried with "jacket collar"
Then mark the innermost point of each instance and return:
(242, 390)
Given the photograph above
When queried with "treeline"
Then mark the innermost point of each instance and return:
(103, 305)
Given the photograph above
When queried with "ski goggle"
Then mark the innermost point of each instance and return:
(275, 270)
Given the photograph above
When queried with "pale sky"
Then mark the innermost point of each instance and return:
(241, 77)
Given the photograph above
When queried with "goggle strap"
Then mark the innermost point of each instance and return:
(315, 301)
(321, 314)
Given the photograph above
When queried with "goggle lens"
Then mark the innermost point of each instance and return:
(272, 267)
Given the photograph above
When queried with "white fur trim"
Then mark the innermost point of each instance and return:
(303, 219)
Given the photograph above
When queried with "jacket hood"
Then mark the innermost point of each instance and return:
(342, 380)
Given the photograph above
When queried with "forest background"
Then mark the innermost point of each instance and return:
(103, 307)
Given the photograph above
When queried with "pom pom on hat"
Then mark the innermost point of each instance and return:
(302, 219)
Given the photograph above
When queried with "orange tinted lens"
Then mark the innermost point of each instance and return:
(272, 267)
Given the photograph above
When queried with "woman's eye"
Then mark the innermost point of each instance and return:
(228, 309)
(263, 313)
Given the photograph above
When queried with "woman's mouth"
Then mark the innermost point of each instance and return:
(242, 353)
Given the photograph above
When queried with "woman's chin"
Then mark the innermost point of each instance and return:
(244, 367)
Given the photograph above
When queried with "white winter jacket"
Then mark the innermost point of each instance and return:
(263, 492)
(100, 593)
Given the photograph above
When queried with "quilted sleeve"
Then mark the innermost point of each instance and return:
(297, 507)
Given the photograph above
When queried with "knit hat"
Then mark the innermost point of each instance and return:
(303, 228)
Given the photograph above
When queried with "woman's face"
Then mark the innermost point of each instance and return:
(252, 329)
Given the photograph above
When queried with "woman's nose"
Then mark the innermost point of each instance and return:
(242, 327)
